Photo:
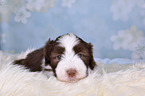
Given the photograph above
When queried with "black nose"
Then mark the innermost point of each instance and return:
(71, 72)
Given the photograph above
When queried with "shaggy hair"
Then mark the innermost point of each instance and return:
(17, 81)
(68, 57)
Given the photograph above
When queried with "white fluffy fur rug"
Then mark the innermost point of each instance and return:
(107, 80)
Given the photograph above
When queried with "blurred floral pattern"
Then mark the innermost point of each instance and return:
(22, 15)
(116, 28)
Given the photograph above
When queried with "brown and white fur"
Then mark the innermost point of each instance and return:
(69, 57)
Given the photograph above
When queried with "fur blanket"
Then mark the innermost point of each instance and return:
(106, 80)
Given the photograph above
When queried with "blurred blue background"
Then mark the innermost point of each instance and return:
(116, 28)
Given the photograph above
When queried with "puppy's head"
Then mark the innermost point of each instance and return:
(69, 57)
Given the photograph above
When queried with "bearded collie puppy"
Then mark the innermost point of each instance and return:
(68, 57)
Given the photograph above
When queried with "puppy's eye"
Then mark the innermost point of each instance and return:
(59, 57)
(80, 55)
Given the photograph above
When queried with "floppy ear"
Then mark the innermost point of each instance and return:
(47, 51)
(33, 60)
(92, 63)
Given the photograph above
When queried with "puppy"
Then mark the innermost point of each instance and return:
(68, 57)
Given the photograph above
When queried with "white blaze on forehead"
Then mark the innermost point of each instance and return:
(68, 41)
(69, 58)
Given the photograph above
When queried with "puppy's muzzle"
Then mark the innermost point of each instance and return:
(71, 73)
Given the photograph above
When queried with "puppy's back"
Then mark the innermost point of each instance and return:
(33, 60)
